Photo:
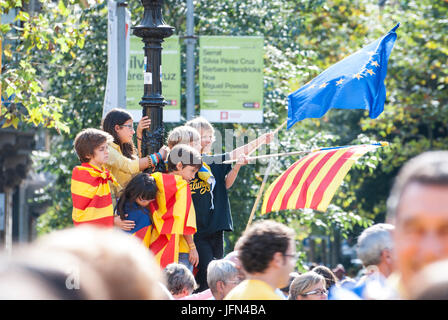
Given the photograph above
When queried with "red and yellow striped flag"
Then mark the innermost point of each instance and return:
(173, 216)
(312, 181)
(92, 200)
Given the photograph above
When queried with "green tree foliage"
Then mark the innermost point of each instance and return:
(33, 46)
(81, 83)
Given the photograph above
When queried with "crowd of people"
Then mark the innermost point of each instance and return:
(142, 234)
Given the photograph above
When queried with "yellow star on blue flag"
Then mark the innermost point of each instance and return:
(356, 82)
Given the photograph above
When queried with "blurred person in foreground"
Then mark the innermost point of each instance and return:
(267, 252)
(32, 274)
(431, 283)
(125, 267)
(418, 208)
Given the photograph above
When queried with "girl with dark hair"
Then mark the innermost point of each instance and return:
(123, 161)
(133, 205)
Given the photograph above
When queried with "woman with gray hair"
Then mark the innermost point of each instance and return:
(308, 286)
(180, 280)
(222, 276)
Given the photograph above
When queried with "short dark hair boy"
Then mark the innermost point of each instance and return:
(88, 140)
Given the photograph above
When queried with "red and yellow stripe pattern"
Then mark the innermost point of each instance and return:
(92, 200)
(311, 182)
(144, 235)
(173, 216)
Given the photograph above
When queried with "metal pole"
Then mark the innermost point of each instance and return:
(152, 29)
(121, 53)
(190, 41)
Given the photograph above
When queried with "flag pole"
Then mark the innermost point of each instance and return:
(378, 144)
(281, 126)
(271, 156)
(274, 132)
(260, 192)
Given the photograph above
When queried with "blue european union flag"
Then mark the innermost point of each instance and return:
(357, 82)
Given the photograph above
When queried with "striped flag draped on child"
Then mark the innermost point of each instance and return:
(311, 182)
(173, 215)
(91, 195)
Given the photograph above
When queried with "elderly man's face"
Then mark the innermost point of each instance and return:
(421, 228)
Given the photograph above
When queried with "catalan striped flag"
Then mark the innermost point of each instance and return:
(312, 181)
(91, 196)
(173, 216)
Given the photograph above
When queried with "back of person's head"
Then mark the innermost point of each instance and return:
(260, 242)
(373, 241)
(185, 155)
(87, 141)
(302, 283)
(329, 276)
(429, 168)
(32, 273)
(126, 267)
(180, 280)
(183, 135)
(140, 186)
(117, 117)
(339, 271)
(220, 270)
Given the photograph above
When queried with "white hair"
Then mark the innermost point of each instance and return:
(373, 241)
(178, 278)
(220, 270)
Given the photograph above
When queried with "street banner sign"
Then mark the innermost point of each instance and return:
(170, 77)
(231, 79)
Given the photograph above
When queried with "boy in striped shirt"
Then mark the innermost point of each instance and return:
(91, 195)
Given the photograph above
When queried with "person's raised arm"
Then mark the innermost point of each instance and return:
(251, 146)
(144, 162)
(144, 123)
(231, 176)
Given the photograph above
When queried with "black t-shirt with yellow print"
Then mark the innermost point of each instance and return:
(210, 220)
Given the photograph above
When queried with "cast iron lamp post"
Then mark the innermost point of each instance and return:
(152, 29)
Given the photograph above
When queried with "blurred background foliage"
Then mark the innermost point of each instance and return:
(67, 52)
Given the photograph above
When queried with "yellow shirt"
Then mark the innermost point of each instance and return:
(183, 245)
(121, 167)
(252, 290)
